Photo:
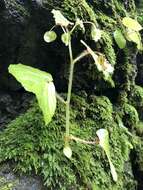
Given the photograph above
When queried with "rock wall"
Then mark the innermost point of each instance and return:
(97, 104)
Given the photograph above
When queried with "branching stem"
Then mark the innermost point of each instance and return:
(72, 63)
(82, 55)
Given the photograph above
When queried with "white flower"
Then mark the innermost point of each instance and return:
(95, 33)
(80, 23)
(100, 61)
(109, 68)
(60, 19)
(105, 66)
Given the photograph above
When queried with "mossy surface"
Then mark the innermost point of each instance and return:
(139, 129)
(137, 156)
(35, 146)
(4, 185)
(129, 115)
(136, 99)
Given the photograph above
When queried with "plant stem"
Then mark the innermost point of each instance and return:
(83, 141)
(69, 94)
(60, 98)
(72, 63)
(80, 56)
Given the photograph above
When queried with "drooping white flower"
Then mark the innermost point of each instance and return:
(80, 23)
(60, 19)
(100, 61)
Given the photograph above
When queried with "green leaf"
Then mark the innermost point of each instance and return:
(67, 151)
(103, 136)
(119, 38)
(95, 33)
(135, 37)
(66, 38)
(60, 19)
(41, 84)
(131, 24)
(50, 36)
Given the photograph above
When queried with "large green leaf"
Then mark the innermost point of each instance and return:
(103, 136)
(40, 83)
(135, 37)
(131, 24)
(119, 38)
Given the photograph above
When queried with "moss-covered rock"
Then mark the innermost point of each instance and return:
(35, 146)
(128, 115)
(4, 185)
(137, 157)
(136, 99)
(139, 129)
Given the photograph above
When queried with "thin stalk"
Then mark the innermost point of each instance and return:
(69, 93)
(72, 63)
(84, 141)
(88, 22)
(73, 29)
(60, 98)
(80, 56)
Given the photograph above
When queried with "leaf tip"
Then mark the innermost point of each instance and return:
(67, 151)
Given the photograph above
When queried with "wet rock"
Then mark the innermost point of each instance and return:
(11, 181)
(2, 5)
(139, 78)
(11, 105)
(23, 24)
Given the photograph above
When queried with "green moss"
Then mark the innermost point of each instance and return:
(125, 70)
(129, 115)
(138, 158)
(122, 97)
(107, 22)
(108, 48)
(139, 129)
(72, 9)
(6, 185)
(136, 99)
(35, 146)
